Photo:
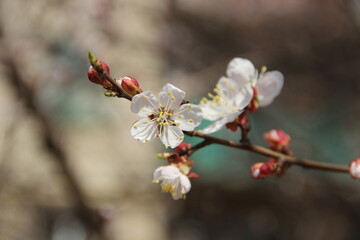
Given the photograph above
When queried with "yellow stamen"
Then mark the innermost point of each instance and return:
(263, 69)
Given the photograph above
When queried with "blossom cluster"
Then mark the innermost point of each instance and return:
(242, 91)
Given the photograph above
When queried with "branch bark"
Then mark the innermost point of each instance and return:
(305, 163)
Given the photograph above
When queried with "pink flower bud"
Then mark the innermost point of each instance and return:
(277, 139)
(355, 168)
(94, 76)
(130, 85)
(262, 170)
(182, 147)
(254, 104)
(255, 170)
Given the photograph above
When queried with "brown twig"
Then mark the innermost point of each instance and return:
(88, 216)
(121, 92)
(270, 153)
(193, 149)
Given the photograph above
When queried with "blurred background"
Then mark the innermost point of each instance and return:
(69, 166)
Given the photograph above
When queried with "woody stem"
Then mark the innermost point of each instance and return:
(305, 163)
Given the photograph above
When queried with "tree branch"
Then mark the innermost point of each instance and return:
(270, 153)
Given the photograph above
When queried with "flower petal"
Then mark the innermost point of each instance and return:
(171, 96)
(238, 96)
(182, 187)
(241, 70)
(171, 136)
(144, 130)
(244, 97)
(143, 104)
(220, 123)
(166, 172)
(228, 87)
(210, 111)
(188, 117)
(269, 87)
(185, 184)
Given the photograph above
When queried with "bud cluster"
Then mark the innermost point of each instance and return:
(278, 141)
(95, 75)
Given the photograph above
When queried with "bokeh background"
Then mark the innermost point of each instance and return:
(45, 94)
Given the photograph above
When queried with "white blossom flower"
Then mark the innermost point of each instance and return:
(267, 84)
(227, 105)
(172, 181)
(165, 118)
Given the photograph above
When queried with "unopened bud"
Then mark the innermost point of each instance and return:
(130, 85)
(254, 104)
(94, 76)
(93, 60)
(261, 170)
(232, 126)
(277, 139)
(241, 120)
(182, 147)
(355, 168)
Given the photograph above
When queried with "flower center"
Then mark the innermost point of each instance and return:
(163, 116)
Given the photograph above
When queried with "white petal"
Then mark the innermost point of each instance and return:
(171, 96)
(182, 187)
(225, 102)
(166, 172)
(188, 117)
(171, 136)
(244, 96)
(144, 103)
(220, 123)
(241, 70)
(144, 130)
(269, 87)
(228, 87)
(210, 111)
(185, 184)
